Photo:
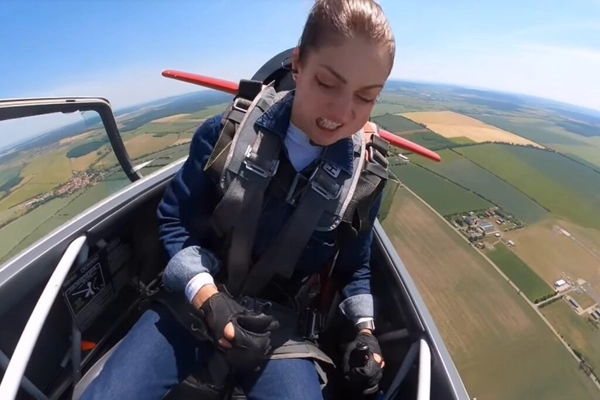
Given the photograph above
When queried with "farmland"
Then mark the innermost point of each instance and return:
(465, 173)
(568, 189)
(451, 125)
(549, 253)
(429, 140)
(518, 272)
(429, 186)
(581, 335)
(500, 346)
(70, 162)
(397, 123)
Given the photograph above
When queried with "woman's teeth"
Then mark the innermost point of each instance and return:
(325, 123)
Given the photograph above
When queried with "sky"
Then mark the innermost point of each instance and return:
(118, 49)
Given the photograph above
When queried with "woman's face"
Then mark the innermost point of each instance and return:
(336, 88)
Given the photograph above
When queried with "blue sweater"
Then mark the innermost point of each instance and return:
(189, 201)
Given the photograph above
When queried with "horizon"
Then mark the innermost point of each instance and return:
(120, 49)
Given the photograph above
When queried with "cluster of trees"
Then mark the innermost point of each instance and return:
(546, 297)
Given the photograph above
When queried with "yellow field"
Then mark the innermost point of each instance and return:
(77, 137)
(501, 347)
(182, 141)
(148, 143)
(550, 253)
(170, 118)
(452, 125)
(583, 299)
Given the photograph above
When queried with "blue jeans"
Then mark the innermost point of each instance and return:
(158, 353)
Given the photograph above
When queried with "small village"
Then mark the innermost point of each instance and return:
(475, 225)
(78, 181)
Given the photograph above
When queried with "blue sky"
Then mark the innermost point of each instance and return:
(117, 49)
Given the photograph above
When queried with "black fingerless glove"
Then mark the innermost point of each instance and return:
(252, 340)
(360, 368)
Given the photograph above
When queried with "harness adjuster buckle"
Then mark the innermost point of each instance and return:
(265, 171)
(325, 185)
(236, 104)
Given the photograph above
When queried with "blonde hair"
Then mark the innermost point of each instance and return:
(330, 21)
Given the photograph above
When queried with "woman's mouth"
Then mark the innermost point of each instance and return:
(327, 124)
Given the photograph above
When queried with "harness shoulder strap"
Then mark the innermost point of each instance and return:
(232, 118)
(251, 161)
(372, 181)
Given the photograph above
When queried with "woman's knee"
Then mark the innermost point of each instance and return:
(288, 379)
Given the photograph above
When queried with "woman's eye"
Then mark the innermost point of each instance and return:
(366, 100)
(323, 84)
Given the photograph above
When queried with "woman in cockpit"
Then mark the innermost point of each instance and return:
(340, 66)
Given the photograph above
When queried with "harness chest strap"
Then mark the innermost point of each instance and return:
(329, 196)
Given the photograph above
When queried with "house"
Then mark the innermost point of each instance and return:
(487, 227)
(559, 282)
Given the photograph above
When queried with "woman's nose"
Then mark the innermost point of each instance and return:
(341, 109)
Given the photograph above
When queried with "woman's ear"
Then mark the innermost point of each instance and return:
(295, 60)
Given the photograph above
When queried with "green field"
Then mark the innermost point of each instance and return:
(568, 189)
(86, 148)
(463, 140)
(582, 336)
(9, 177)
(444, 196)
(17, 231)
(517, 271)
(430, 140)
(469, 175)
(396, 123)
(536, 129)
(544, 131)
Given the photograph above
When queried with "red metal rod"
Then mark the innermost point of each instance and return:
(399, 141)
(206, 81)
(232, 88)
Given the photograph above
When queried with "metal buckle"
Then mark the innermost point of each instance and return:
(292, 189)
(257, 169)
(235, 105)
(311, 324)
(319, 188)
(370, 153)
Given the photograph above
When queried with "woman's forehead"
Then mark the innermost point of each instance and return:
(356, 61)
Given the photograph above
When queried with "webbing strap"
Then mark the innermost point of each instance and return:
(284, 252)
(239, 208)
(252, 165)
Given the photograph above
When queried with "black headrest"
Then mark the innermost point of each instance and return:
(278, 69)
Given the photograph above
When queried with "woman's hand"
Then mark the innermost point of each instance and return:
(243, 334)
(363, 363)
